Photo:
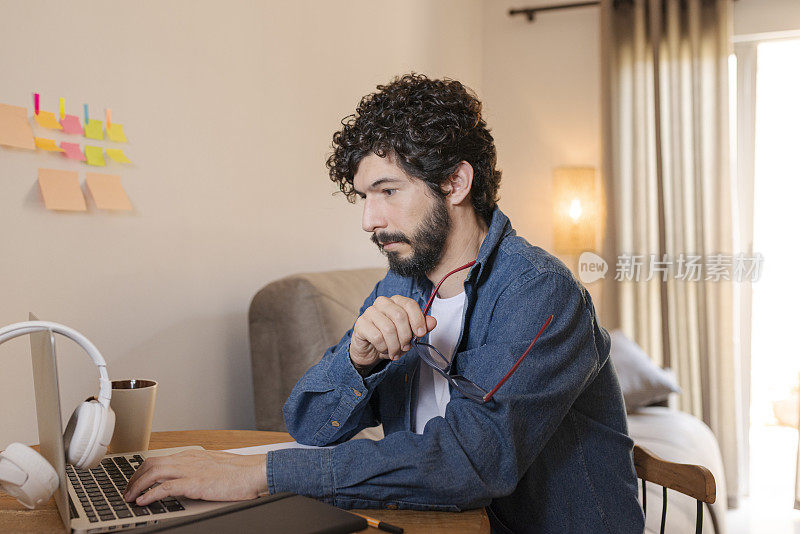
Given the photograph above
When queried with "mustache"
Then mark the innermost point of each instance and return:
(389, 237)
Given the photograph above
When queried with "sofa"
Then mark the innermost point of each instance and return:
(292, 321)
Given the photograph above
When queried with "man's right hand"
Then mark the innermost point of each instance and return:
(385, 330)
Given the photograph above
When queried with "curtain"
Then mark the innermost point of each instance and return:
(671, 198)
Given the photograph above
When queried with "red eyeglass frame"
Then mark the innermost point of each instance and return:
(446, 372)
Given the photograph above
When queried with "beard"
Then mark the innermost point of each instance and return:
(427, 243)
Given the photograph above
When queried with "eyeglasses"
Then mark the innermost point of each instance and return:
(437, 361)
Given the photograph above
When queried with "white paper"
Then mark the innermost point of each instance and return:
(263, 449)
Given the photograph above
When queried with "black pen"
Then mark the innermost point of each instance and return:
(371, 521)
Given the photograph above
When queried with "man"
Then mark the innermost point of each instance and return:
(546, 451)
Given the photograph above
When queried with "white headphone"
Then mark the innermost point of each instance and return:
(24, 473)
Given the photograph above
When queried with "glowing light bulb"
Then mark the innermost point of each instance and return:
(575, 210)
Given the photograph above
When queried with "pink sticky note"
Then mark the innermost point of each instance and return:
(73, 151)
(72, 125)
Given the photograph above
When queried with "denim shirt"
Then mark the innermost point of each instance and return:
(549, 453)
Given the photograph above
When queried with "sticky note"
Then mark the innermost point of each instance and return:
(46, 144)
(107, 192)
(94, 156)
(72, 125)
(117, 155)
(61, 190)
(116, 133)
(94, 129)
(46, 119)
(15, 130)
(73, 151)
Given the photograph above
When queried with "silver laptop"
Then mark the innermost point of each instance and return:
(90, 500)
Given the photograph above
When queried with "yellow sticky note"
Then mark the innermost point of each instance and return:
(117, 155)
(94, 156)
(94, 130)
(61, 190)
(107, 191)
(15, 130)
(116, 133)
(46, 119)
(47, 144)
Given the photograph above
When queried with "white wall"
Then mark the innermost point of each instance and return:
(229, 109)
(541, 84)
(763, 16)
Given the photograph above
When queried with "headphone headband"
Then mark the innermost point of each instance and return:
(27, 327)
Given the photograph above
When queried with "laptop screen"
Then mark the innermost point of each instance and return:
(48, 411)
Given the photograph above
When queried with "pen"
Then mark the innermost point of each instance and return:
(380, 524)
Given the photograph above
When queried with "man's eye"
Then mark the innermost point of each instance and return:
(389, 192)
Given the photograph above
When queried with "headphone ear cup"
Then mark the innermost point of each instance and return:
(76, 434)
(26, 475)
(80, 436)
(88, 434)
(105, 431)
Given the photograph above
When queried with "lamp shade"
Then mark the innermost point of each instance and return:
(576, 209)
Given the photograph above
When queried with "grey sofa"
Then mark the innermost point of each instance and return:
(293, 320)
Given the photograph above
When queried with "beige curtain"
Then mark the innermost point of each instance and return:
(671, 197)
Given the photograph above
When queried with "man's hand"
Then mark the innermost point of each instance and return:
(207, 475)
(385, 330)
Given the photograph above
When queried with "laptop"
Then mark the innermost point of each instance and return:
(90, 500)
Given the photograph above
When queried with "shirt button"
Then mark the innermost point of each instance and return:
(334, 423)
(391, 506)
(356, 392)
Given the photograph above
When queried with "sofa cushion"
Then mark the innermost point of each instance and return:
(642, 382)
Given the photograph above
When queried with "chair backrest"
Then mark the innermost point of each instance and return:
(693, 480)
(292, 321)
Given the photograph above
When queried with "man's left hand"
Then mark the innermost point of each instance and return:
(207, 475)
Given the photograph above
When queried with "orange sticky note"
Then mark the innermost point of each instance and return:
(15, 130)
(61, 190)
(46, 119)
(47, 144)
(107, 192)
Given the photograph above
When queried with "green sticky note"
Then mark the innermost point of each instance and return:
(116, 133)
(94, 156)
(94, 130)
(117, 155)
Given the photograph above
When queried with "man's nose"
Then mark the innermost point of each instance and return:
(372, 219)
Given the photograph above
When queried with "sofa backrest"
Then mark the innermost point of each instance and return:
(292, 322)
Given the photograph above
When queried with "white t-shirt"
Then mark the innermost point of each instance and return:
(433, 391)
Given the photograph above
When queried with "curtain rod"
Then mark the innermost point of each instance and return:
(530, 12)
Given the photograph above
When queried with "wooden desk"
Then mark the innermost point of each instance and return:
(16, 518)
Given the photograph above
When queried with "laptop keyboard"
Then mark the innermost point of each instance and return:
(100, 490)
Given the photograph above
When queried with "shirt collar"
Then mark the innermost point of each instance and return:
(499, 228)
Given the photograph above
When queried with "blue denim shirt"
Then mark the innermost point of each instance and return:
(550, 452)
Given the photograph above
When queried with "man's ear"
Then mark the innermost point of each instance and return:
(459, 184)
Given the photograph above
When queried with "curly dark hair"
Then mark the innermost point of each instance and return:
(429, 126)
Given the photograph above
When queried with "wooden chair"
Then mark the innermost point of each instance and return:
(693, 480)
